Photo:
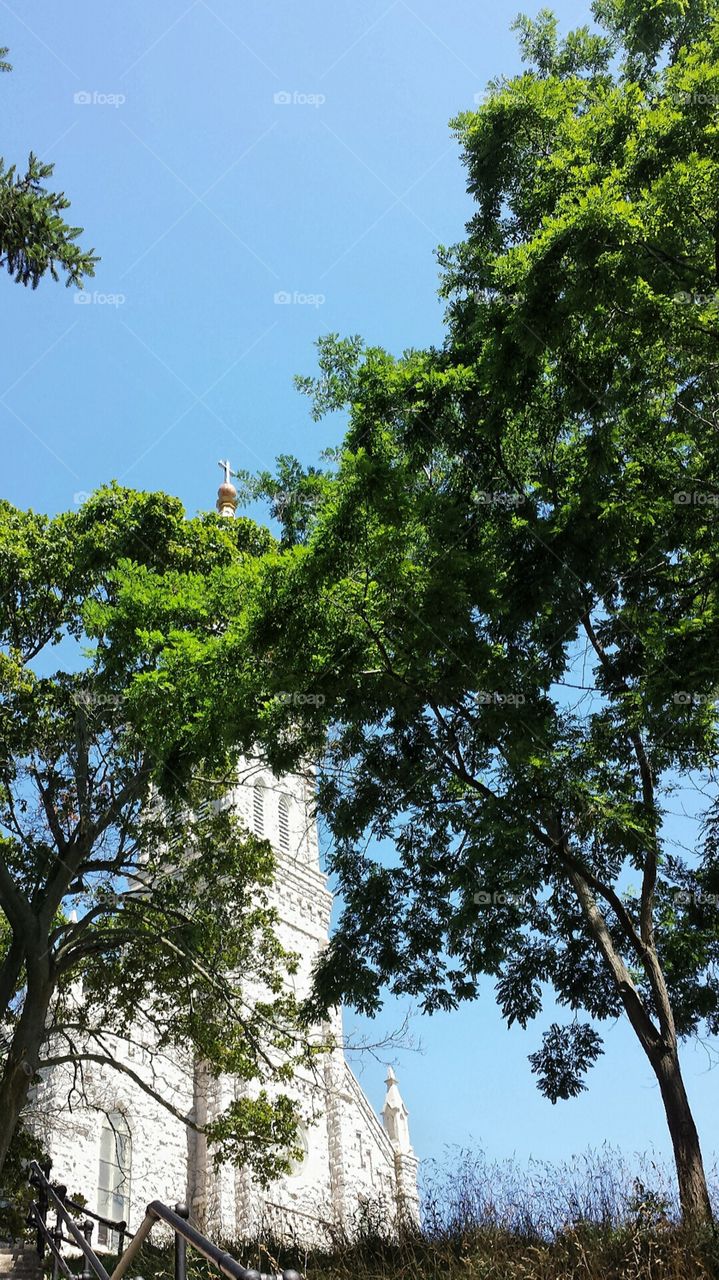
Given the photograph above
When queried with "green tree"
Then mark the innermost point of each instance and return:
(34, 236)
(16, 1194)
(502, 616)
(131, 895)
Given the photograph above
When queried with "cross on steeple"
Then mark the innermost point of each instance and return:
(227, 493)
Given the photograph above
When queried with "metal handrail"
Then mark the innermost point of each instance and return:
(186, 1234)
(53, 1240)
(176, 1219)
(39, 1178)
(119, 1227)
(81, 1238)
(55, 1197)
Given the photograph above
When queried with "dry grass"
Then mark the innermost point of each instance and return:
(595, 1218)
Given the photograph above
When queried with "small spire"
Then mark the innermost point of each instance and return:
(227, 493)
(395, 1116)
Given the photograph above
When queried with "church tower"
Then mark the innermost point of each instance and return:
(351, 1160)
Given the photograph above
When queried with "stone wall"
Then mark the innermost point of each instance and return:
(71, 1132)
(350, 1161)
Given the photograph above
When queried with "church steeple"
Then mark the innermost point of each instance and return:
(227, 493)
(394, 1116)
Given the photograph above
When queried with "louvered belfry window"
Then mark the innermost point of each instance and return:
(258, 809)
(284, 822)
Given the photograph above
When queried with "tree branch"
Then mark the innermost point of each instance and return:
(649, 877)
(104, 1060)
(648, 1034)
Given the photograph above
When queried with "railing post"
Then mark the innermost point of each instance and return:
(42, 1204)
(86, 1229)
(61, 1193)
(182, 1211)
(57, 1241)
(39, 1238)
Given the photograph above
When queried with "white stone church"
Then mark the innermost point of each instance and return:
(122, 1149)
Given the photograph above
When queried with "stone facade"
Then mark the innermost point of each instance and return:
(351, 1158)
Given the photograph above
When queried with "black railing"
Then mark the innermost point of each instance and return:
(53, 1197)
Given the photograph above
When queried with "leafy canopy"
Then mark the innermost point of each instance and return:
(34, 236)
(134, 901)
(502, 614)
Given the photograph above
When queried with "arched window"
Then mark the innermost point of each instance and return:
(113, 1183)
(284, 822)
(258, 809)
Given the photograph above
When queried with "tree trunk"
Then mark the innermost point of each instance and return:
(693, 1191)
(660, 1046)
(24, 1053)
(9, 975)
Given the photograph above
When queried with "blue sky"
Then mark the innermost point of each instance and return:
(206, 197)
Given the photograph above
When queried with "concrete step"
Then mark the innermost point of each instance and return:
(21, 1263)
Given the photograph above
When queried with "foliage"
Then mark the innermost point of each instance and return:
(34, 236)
(502, 618)
(134, 900)
(16, 1194)
(294, 494)
(564, 1058)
